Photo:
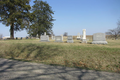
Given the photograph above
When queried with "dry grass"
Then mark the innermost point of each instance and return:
(89, 56)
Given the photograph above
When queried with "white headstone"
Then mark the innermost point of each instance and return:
(37, 36)
(78, 36)
(5, 37)
(52, 37)
(84, 36)
(44, 33)
(58, 39)
(62, 37)
(44, 38)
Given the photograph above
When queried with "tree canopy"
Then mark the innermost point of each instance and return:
(15, 13)
(41, 18)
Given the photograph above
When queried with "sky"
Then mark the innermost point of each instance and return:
(72, 16)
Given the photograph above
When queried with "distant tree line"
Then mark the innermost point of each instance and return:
(19, 15)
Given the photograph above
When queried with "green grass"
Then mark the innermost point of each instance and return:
(88, 56)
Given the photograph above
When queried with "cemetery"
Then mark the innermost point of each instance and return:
(58, 49)
(75, 39)
(97, 38)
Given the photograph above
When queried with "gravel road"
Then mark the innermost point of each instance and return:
(18, 70)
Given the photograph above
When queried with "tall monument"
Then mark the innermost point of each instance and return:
(84, 36)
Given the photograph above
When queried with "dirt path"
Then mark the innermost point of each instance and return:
(18, 70)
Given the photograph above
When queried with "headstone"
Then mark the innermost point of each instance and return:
(52, 37)
(70, 39)
(37, 36)
(44, 33)
(44, 38)
(78, 36)
(5, 37)
(99, 38)
(84, 36)
(62, 37)
(58, 39)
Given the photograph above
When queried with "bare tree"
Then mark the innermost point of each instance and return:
(65, 34)
(115, 33)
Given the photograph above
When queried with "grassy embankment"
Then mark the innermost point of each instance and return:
(88, 56)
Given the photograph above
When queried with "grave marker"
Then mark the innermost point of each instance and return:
(99, 38)
(70, 39)
(44, 33)
(44, 38)
(58, 39)
(84, 36)
(37, 36)
(62, 37)
(78, 36)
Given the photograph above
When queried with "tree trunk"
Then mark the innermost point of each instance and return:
(12, 31)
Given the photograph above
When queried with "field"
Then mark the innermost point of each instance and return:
(77, 54)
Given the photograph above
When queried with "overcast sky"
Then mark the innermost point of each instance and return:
(73, 16)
